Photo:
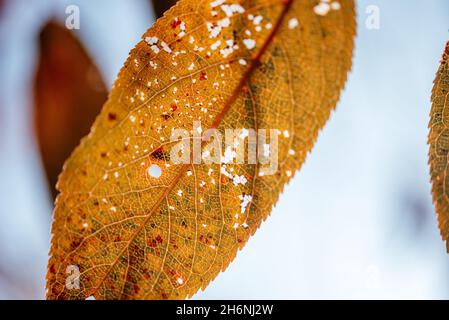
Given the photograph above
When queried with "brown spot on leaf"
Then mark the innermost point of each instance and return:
(112, 116)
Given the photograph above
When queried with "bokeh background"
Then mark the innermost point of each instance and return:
(356, 222)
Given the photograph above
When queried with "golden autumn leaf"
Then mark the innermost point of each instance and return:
(439, 144)
(68, 94)
(137, 225)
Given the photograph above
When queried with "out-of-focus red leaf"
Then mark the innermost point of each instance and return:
(160, 6)
(69, 93)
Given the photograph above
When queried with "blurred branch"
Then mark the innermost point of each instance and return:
(2, 6)
(160, 6)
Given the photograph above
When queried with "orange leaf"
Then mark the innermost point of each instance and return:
(439, 144)
(68, 94)
(138, 225)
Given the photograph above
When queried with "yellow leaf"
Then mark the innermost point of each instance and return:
(439, 144)
(138, 226)
(68, 94)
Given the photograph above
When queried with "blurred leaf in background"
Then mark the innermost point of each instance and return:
(68, 92)
(160, 6)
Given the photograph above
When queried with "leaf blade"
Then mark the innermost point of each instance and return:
(172, 253)
(438, 144)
